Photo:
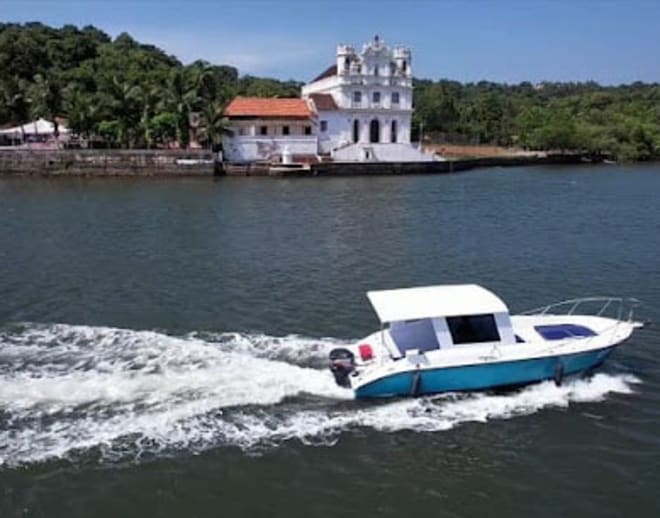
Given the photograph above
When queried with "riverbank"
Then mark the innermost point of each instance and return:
(405, 168)
(109, 163)
(112, 162)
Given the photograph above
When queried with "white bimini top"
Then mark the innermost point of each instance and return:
(434, 301)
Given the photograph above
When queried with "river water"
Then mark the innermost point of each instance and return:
(163, 345)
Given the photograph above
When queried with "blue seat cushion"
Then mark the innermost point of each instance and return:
(562, 331)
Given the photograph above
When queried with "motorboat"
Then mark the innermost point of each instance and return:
(462, 338)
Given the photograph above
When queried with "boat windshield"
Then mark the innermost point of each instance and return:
(414, 334)
(472, 329)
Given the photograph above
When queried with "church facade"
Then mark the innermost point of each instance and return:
(372, 90)
(360, 108)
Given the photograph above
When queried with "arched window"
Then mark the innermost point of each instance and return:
(404, 65)
(356, 130)
(376, 70)
(393, 131)
(374, 131)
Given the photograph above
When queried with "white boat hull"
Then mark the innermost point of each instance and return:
(450, 338)
(487, 367)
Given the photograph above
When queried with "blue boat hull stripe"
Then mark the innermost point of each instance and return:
(482, 376)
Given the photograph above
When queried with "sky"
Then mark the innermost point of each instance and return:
(608, 41)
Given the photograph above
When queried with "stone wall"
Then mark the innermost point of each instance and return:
(437, 167)
(243, 149)
(112, 162)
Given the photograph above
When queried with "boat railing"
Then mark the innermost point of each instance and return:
(619, 307)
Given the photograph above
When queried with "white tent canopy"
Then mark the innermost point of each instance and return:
(434, 301)
(38, 127)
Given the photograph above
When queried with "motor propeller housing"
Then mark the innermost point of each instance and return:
(342, 364)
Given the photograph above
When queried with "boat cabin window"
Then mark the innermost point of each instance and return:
(414, 334)
(470, 329)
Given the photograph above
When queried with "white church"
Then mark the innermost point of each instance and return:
(357, 110)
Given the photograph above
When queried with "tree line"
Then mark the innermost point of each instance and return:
(118, 90)
(620, 121)
(129, 94)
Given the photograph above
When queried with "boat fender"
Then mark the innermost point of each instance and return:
(559, 374)
(416, 384)
(366, 352)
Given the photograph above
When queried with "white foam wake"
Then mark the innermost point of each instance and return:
(60, 367)
(67, 391)
(431, 414)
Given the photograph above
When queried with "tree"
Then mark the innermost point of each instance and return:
(110, 131)
(45, 100)
(214, 125)
(16, 103)
(124, 98)
(164, 127)
(84, 111)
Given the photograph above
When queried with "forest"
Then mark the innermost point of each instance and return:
(130, 94)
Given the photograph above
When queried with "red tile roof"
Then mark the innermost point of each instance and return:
(324, 102)
(267, 107)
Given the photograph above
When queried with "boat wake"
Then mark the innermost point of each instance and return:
(111, 395)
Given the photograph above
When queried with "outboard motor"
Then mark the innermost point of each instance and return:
(342, 363)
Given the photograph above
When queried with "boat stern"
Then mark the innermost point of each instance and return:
(342, 365)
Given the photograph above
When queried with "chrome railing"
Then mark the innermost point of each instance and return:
(619, 307)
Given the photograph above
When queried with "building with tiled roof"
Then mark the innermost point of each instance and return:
(250, 107)
(260, 128)
(358, 109)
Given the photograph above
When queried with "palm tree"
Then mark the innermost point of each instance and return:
(46, 100)
(82, 109)
(125, 96)
(150, 96)
(182, 99)
(16, 102)
(215, 124)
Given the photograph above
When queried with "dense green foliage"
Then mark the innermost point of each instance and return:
(130, 94)
(622, 121)
(135, 95)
